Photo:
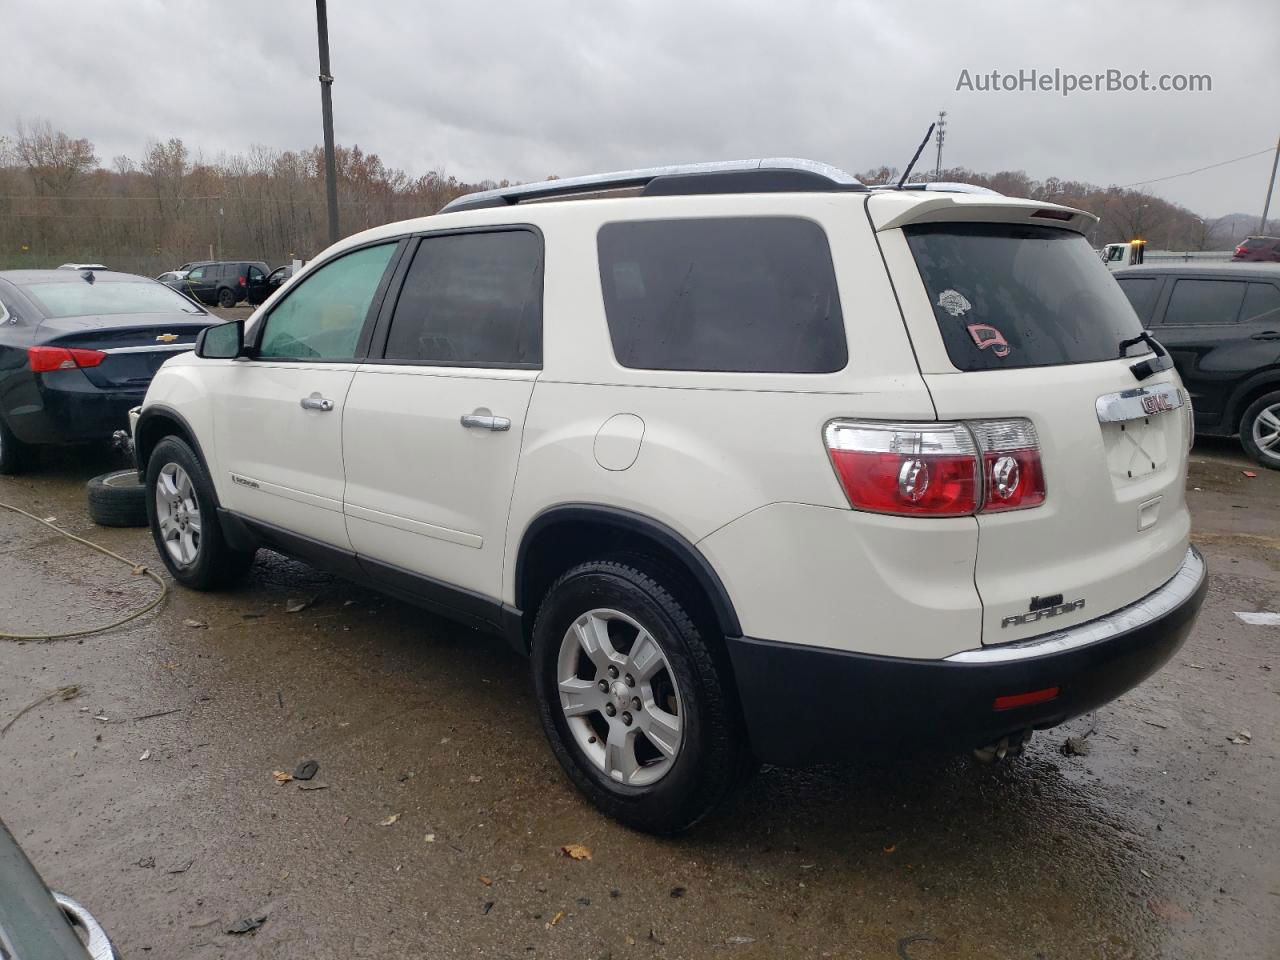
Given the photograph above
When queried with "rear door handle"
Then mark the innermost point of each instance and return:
(1266, 335)
(317, 402)
(477, 422)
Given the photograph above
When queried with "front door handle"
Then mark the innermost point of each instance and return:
(477, 422)
(317, 402)
(1267, 335)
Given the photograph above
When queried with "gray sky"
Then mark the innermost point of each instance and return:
(522, 90)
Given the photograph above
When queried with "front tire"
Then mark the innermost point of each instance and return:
(638, 707)
(1260, 430)
(182, 512)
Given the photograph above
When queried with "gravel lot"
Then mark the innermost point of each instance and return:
(439, 827)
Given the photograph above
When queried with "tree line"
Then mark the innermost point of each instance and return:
(59, 202)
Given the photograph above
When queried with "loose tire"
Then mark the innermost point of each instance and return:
(118, 499)
(1260, 430)
(636, 703)
(15, 455)
(226, 297)
(182, 512)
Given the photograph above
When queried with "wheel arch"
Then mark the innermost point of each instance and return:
(1261, 382)
(154, 424)
(564, 535)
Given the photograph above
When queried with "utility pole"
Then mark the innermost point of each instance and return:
(326, 104)
(1271, 183)
(940, 135)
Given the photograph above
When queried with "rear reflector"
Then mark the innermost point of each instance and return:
(937, 469)
(1024, 699)
(49, 359)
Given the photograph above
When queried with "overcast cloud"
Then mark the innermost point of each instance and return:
(522, 90)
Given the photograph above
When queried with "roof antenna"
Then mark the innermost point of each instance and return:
(919, 150)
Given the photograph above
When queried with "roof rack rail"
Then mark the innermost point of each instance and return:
(938, 186)
(773, 175)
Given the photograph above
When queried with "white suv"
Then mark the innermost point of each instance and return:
(754, 462)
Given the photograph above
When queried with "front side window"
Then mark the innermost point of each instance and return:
(1006, 295)
(322, 317)
(1196, 302)
(196, 274)
(471, 298)
(740, 294)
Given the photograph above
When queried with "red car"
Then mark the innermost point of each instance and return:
(1263, 249)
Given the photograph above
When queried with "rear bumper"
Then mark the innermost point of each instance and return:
(66, 407)
(806, 705)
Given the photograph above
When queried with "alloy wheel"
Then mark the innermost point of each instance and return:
(178, 514)
(1266, 430)
(620, 697)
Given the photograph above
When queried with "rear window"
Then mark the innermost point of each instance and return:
(1141, 292)
(106, 297)
(740, 294)
(1007, 295)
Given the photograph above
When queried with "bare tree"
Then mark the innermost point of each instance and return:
(56, 162)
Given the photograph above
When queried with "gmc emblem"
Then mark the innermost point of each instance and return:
(1156, 403)
(1025, 618)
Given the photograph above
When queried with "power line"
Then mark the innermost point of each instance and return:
(1172, 176)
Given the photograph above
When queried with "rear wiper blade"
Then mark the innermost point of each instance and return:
(1146, 368)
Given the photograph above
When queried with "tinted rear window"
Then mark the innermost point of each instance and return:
(471, 298)
(743, 294)
(106, 297)
(1141, 292)
(1007, 295)
(1204, 301)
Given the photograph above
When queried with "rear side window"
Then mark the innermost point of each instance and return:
(1204, 302)
(1141, 292)
(471, 298)
(741, 294)
(1261, 303)
(1007, 295)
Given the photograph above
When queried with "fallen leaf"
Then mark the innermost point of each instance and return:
(146, 755)
(576, 851)
(487, 881)
(389, 821)
(892, 847)
(247, 925)
(1075, 747)
(194, 624)
(556, 919)
(281, 776)
(1240, 738)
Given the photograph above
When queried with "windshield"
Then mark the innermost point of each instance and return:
(104, 298)
(1007, 295)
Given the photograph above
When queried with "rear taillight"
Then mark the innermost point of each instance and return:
(937, 469)
(49, 359)
(1011, 466)
(242, 281)
(1240, 250)
(1191, 418)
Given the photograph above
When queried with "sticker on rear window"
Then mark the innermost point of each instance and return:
(985, 335)
(954, 303)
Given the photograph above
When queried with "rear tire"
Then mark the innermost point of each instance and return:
(118, 499)
(226, 297)
(686, 700)
(179, 492)
(15, 456)
(1260, 430)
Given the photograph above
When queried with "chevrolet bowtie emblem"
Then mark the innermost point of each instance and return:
(166, 338)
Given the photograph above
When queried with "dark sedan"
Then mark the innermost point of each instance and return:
(1221, 324)
(77, 350)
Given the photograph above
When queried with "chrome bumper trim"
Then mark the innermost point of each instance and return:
(96, 940)
(1153, 606)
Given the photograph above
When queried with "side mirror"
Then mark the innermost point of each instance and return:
(223, 342)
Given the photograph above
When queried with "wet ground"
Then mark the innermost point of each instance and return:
(150, 796)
